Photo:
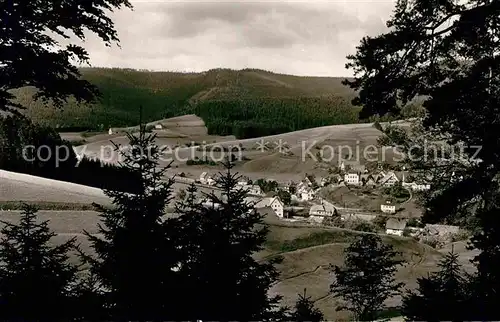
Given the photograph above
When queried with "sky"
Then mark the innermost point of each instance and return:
(309, 38)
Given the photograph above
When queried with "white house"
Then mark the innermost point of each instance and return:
(388, 208)
(441, 230)
(277, 206)
(306, 195)
(342, 166)
(370, 182)
(158, 126)
(389, 179)
(416, 187)
(206, 179)
(395, 226)
(351, 178)
(255, 190)
(203, 177)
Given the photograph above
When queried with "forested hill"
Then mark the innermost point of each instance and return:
(246, 103)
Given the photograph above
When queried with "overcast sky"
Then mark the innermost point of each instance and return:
(300, 38)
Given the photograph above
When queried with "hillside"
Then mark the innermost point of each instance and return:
(245, 103)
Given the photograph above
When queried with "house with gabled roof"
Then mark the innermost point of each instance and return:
(255, 189)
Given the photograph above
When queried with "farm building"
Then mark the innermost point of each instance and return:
(395, 226)
(262, 202)
(440, 230)
(277, 206)
(388, 208)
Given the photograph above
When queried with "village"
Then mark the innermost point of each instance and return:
(324, 202)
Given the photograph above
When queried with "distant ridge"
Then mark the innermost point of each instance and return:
(167, 94)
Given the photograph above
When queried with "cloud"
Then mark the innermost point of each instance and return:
(305, 38)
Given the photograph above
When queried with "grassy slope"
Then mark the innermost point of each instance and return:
(307, 253)
(164, 93)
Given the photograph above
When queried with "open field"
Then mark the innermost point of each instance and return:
(256, 161)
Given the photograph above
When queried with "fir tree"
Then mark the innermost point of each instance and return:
(136, 257)
(442, 296)
(367, 278)
(445, 54)
(222, 235)
(305, 311)
(37, 282)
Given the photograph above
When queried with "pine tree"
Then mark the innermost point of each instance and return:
(442, 296)
(222, 235)
(24, 34)
(367, 278)
(136, 257)
(37, 282)
(305, 311)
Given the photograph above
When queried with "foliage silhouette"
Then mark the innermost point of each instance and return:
(136, 257)
(26, 54)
